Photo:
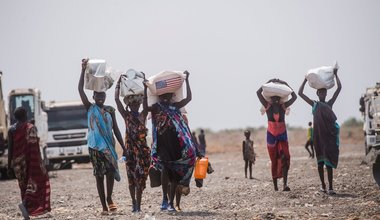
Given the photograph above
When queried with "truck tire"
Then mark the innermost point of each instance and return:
(66, 166)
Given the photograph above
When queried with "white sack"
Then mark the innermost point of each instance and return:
(131, 83)
(166, 82)
(276, 89)
(322, 77)
(97, 78)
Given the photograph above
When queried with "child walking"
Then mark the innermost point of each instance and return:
(249, 155)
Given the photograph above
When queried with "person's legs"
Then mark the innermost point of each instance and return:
(307, 147)
(173, 187)
(250, 170)
(172, 192)
(110, 178)
(330, 179)
(178, 195)
(285, 170)
(164, 185)
(275, 184)
(245, 168)
(312, 149)
(139, 196)
(101, 193)
(321, 175)
(132, 192)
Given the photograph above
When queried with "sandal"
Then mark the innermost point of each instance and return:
(331, 192)
(286, 189)
(104, 213)
(112, 207)
(322, 190)
(178, 208)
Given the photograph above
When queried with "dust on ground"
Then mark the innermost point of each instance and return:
(226, 193)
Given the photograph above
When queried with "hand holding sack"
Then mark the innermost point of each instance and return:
(97, 77)
(322, 77)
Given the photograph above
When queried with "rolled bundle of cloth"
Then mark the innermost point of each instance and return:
(166, 82)
(98, 77)
(322, 77)
(131, 83)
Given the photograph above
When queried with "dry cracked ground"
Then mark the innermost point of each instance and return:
(226, 193)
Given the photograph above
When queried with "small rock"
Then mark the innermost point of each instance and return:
(325, 215)
(227, 177)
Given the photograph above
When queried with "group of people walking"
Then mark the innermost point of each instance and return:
(174, 149)
(323, 136)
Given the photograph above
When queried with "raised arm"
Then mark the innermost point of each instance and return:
(291, 100)
(83, 96)
(302, 95)
(188, 98)
(119, 105)
(117, 131)
(146, 108)
(261, 97)
(293, 94)
(339, 87)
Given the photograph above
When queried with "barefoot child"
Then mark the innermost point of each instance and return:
(101, 123)
(249, 155)
(137, 150)
(326, 132)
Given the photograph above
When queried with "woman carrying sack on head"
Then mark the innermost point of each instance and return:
(173, 151)
(137, 151)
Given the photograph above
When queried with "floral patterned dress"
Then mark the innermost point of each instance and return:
(138, 153)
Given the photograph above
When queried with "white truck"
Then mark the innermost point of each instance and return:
(67, 135)
(370, 108)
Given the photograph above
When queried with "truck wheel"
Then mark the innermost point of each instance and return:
(66, 166)
(376, 172)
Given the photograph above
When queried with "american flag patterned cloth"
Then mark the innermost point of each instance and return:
(168, 85)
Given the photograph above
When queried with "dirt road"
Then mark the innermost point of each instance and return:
(225, 195)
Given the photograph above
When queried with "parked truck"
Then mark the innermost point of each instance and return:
(370, 108)
(67, 134)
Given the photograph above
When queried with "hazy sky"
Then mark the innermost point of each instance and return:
(230, 48)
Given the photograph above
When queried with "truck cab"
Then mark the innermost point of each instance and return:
(370, 108)
(67, 133)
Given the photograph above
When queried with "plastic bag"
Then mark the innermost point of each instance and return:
(132, 83)
(98, 77)
(322, 77)
(276, 89)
